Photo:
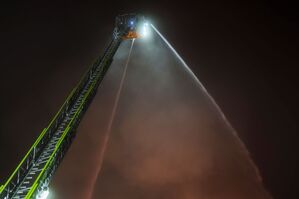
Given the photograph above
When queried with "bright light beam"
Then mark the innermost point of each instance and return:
(43, 195)
(145, 30)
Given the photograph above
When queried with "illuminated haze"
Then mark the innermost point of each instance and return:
(168, 139)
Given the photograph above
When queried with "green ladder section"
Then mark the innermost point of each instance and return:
(33, 174)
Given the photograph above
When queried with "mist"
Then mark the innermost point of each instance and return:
(168, 139)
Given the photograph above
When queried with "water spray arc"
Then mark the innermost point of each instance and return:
(111, 119)
(210, 99)
(190, 72)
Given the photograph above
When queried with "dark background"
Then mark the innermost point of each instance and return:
(245, 53)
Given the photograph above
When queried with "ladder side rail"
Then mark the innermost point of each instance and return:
(65, 141)
(34, 152)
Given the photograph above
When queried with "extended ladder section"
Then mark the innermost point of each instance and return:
(33, 174)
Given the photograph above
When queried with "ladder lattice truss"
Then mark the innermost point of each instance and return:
(33, 174)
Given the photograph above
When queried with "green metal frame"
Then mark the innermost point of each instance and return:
(36, 169)
(87, 85)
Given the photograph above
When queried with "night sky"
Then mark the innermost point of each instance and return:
(244, 53)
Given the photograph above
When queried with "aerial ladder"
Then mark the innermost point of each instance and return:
(32, 176)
